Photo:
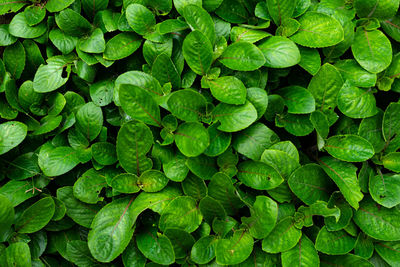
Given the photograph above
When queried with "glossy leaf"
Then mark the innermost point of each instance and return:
(344, 176)
(318, 30)
(351, 148)
(242, 56)
(197, 50)
(371, 56)
(12, 133)
(280, 52)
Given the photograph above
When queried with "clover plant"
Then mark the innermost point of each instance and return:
(200, 133)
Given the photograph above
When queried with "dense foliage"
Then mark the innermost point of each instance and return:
(200, 132)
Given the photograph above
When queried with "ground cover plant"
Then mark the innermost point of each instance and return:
(200, 133)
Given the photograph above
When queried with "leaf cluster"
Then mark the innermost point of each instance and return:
(200, 133)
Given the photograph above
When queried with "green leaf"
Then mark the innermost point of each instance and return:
(65, 43)
(221, 189)
(345, 260)
(242, 34)
(134, 140)
(8, 6)
(242, 56)
(87, 188)
(298, 99)
(258, 175)
(6, 216)
(55, 161)
(152, 181)
(334, 243)
(200, 20)
(318, 30)
(280, 10)
(391, 161)
(111, 230)
(140, 18)
(203, 251)
(50, 77)
(94, 43)
(180, 4)
(122, 45)
(371, 129)
(139, 104)
(36, 216)
(19, 27)
(235, 118)
(78, 253)
(391, 27)
(219, 141)
(391, 121)
(389, 251)
(125, 183)
(202, 166)
(282, 238)
(310, 183)
(295, 124)
(79, 212)
(378, 222)
(310, 59)
(302, 255)
(187, 105)
(232, 11)
(175, 168)
(280, 160)
(355, 102)
(18, 254)
(376, 9)
(229, 90)
(259, 98)
(165, 71)
(280, 52)
(355, 74)
(89, 120)
(171, 25)
(132, 257)
(15, 191)
(12, 133)
(344, 176)
(181, 241)
(34, 15)
(194, 186)
(14, 59)
(5, 37)
(142, 80)
(157, 248)
(349, 147)
(384, 189)
(264, 214)
(254, 140)
(325, 86)
(58, 5)
(211, 208)
(154, 201)
(91, 7)
(181, 213)
(104, 153)
(101, 92)
(72, 23)
(372, 50)
(192, 139)
(234, 250)
(197, 51)
(320, 123)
